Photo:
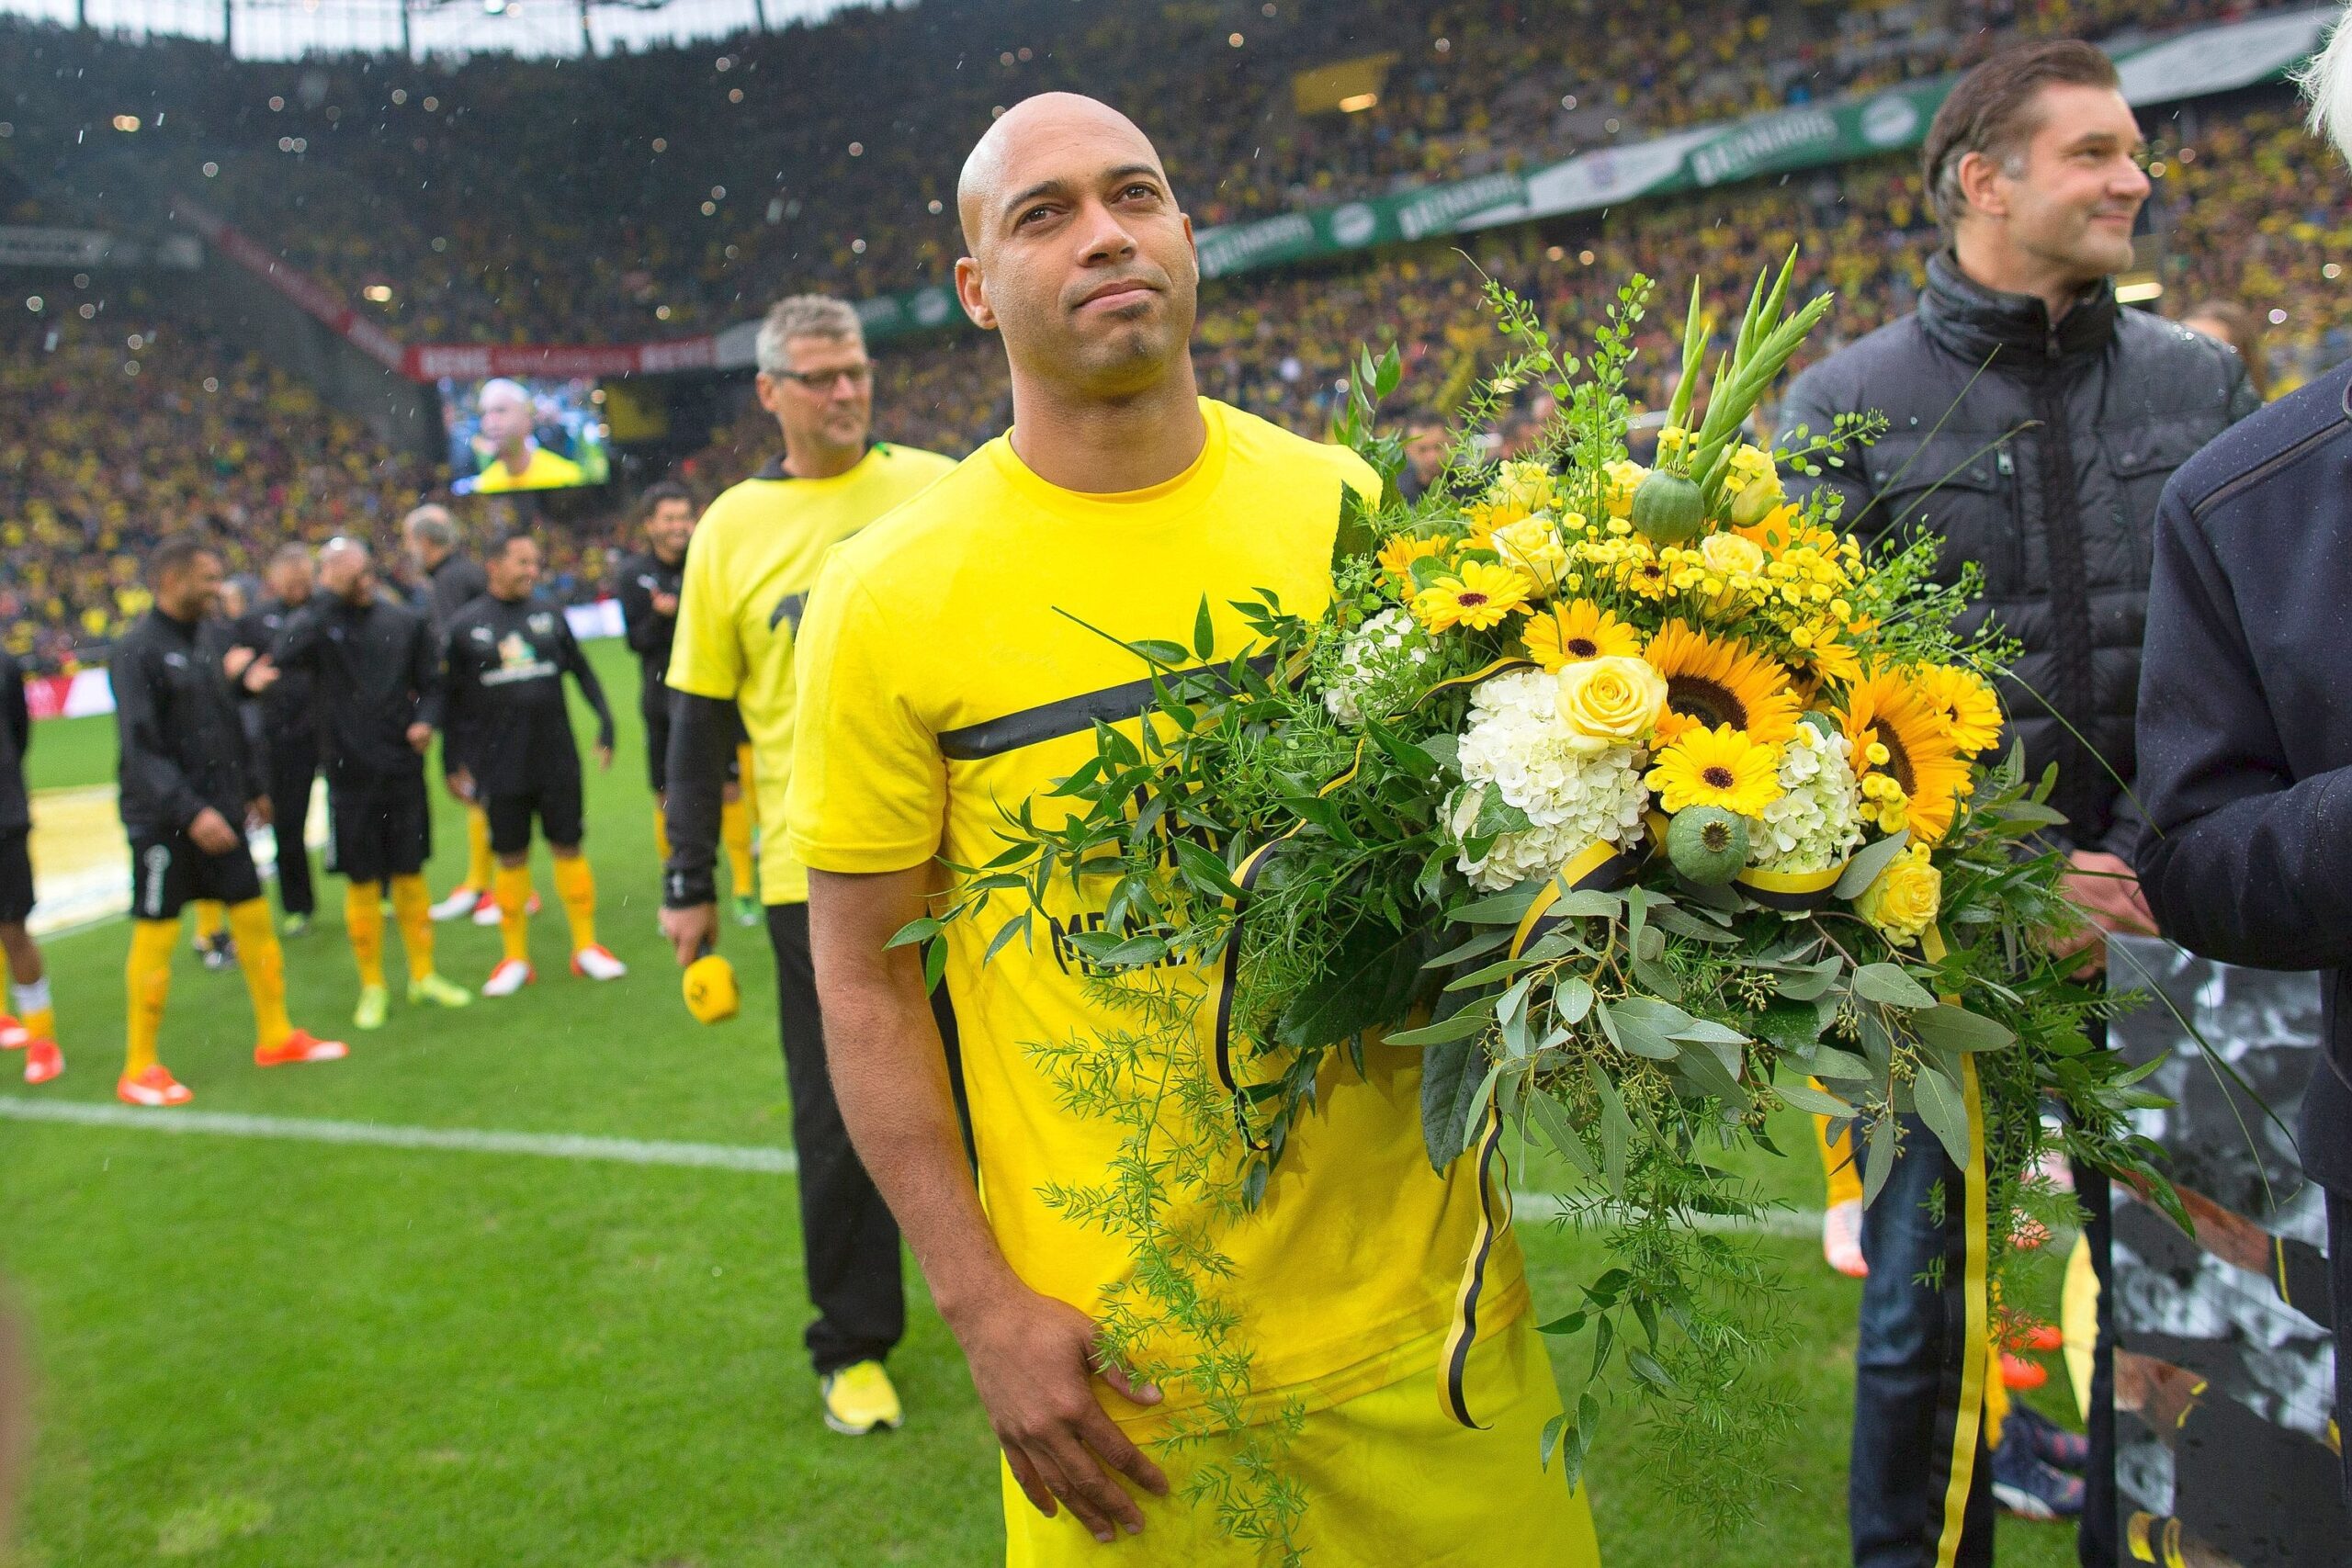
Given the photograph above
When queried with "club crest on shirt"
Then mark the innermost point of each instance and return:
(514, 653)
(540, 623)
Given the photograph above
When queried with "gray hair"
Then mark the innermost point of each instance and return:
(431, 525)
(287, 555)
(2327, 80)
(804, 315)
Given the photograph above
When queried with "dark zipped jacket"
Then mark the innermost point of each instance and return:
(2038, 452)
(288, 705)
(16, 739)
(641, 577)
(2246, 727)
(182, 748)
(376, 670)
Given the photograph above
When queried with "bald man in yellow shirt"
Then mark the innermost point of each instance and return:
(961, 676)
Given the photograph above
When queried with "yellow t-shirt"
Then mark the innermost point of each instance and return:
(958, 684)
(748, 569)
(546, 470)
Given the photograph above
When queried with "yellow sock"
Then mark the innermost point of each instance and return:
(208, 921)
(511, 884)
(735, 832)
(40, 1023)
(576, 885)
(363, 918)
(479, 868)
(1837, 1162)
(661, 830)
(265, 965)
(413, 907)
(148, 975)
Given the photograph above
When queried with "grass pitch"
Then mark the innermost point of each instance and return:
(255, 1351)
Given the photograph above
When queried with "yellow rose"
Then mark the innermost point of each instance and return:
(1532, 547)
(1624, 478)
(1613, 701)
(1905, 898)
(1728, 553)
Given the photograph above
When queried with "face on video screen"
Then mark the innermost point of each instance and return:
(509, 434)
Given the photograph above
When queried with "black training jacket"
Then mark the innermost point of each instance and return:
(16, 739)
(649, 634)
(175, 716)
(2246, 725)
(2038, 452)
(450, 588)
(502, 694)
(377, 670)
(288, 708)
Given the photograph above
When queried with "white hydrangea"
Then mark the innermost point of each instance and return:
(1516, 744)
(1384, 650)
(1817, 820)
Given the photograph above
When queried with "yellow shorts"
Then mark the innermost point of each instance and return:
(1390, 1482)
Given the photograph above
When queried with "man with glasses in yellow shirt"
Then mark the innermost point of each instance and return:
(748, 569)
(961, 677)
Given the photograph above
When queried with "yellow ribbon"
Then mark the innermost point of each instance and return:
(1975, 1363)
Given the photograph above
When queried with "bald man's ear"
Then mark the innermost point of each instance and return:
(972, 293)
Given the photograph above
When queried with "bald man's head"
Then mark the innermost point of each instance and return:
(344, 569)
(1078, 253)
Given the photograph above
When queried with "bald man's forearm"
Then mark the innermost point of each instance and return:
(889, 1072)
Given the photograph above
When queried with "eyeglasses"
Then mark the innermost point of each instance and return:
(823, 382)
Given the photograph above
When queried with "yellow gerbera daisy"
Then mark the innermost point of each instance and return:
(1896, 730)
(1716, 767)
(1479, 594)
(1569, 633)
(1970, 710)
(1715, 680)
(1397, 555)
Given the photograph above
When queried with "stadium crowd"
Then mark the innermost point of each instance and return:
(719, 175)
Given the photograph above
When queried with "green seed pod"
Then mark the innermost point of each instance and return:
(1668, 508)
(1707, 844)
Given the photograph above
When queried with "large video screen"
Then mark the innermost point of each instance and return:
(508, 435)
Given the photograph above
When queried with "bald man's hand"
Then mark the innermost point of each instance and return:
(1033, 1360)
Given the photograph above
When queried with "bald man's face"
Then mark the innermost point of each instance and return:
(505, 417)
(1080, 255)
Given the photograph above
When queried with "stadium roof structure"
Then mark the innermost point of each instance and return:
(290, 29)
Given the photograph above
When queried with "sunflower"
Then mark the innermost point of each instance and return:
(1569, 633)
(1970, 710)
(1397, 555)
(1478, 595)
(1714, 681)
(1717, 767)
(1896, 730)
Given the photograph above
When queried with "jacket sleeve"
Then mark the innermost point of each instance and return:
(2242, 861)
(1813, 405)
(13, 708)
(575, 661)
(149, 771)
(297, 641)
(638, 614)
(457, 695)
(425, 675)
(702, 738)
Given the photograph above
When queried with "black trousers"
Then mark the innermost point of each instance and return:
(2099, 1537)
(293, 763)
(848, 1238)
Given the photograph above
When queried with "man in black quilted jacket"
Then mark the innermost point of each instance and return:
(2031, 424)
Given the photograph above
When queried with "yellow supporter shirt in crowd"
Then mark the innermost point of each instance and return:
(546, 470)
(958, 685)
(748, 569)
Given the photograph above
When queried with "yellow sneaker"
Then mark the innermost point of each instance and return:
(438, 991)
(373, 1001)
(859, 1398)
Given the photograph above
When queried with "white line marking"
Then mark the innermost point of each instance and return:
(547, 1145)
(1525, 1206)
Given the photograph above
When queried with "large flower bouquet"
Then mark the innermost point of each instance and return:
(1644, 801)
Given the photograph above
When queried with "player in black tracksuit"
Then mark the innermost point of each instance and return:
(32, 1028)
(648, 584)
(188, 781)
(504, 665)
(290, 739)
(450, 583)
(377, 670)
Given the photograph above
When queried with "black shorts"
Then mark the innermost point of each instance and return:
(657, 747)
(167, 870)
(557, 805)
(379, 828)
(15, 877)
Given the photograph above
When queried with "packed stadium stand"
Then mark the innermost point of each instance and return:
(495, 199)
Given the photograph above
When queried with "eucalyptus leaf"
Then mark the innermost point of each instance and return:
(1804, 1096)
(1949, 1027)
(1879, 1163)
(1944, 1109)
(1449, 1077)
(1868, 862)
(1887, 984)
